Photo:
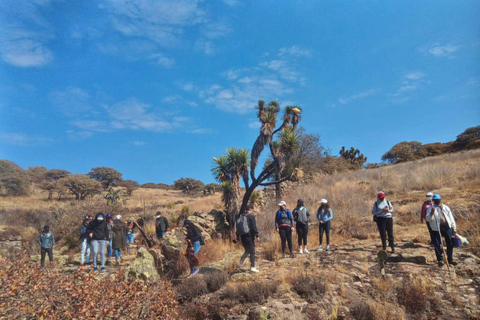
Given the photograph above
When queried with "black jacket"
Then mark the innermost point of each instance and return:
(252, 226)
(193, 233)
(161, 224)
(99, 230)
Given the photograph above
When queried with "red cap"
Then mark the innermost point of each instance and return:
(381, 195)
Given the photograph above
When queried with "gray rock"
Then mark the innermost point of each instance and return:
(143, 267)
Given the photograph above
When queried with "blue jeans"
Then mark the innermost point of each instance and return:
(118, 253)
(130, 238)
(85, 249)
(98, 246)
(196, 247)
(109, 248)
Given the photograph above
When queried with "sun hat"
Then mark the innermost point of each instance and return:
(430, 194)
(118, 217)
(282, 203)
(381, 194)
(323, 201)
(436, 197)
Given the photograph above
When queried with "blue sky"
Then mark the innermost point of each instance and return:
(156, 88)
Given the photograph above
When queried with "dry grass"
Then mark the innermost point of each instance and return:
(416, 295)
(256, 292)
(309, 287)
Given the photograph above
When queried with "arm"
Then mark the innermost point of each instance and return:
(423, 212)
(166, 224)
(329, 215)
(318, 215)
(53, 240)
(430, 214)
(252, 224)
(276, 222)
(292, 222)
(40, 239)
(390, 206)
(308, 214)
(454, 225)
(375, 210)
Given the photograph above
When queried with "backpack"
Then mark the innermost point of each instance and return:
(242, 225)
(279, 213)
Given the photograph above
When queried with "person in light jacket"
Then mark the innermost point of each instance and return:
(301, 216)
(382, 214)
(442, 223)
(324, 216)
(46, 241)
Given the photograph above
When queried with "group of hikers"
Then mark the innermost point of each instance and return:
(114, 235)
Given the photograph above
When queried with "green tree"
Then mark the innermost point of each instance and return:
(14, 181)
(108, 177)
(404, 151)
(36, 173)
(188, 184)
(129, 186)
(469, 139)
(49, 183)
(354, 156)
(81, 185)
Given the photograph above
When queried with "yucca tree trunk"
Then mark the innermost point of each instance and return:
(278, 186)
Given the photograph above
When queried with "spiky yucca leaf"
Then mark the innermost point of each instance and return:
(255, 198)
(289, 141)
(221, 171)
(228, 190)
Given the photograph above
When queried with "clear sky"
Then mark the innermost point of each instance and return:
(156, 88)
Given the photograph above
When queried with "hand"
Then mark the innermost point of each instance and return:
(293, 229)
(385, 210)
(278, 230)
(90, 235)
(53, 247)
(454, 234)
(258, 239)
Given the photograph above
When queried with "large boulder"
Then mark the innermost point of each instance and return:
(143, 267)
(10, 243)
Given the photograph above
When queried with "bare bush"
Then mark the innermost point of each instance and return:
(416, 294)
(309, 287)
(257, 292)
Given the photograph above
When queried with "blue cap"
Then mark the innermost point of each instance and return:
(436, 197)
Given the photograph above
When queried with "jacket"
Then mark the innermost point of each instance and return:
(324, 216)
(252, 225)
(110, 226)
(161, 224)
(99, 230)
(378, 206)
(301, 215)
(46, 240)
(283, 217)
(434, 219)
(193, 233)
(425, 207)
(119, 235)
(83, 232)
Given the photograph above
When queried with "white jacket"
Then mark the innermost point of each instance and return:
(434, 219)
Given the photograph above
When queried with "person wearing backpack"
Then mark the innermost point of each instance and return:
(284, 225)
(161, 225)
(324, 217)
(382, 214)
(247, 232)
(301, 217)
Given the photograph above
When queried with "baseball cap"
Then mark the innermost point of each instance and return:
(323, 201)
(282, 203)
(381, 194)
(436, 197)
(109, 215)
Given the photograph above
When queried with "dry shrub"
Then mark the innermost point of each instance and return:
(257, 292)
(215, 250)
(191, 288)
(51, 293)
(373, 310)
(215, 280)
(271, 249)
(309, 287)
(199, 310)
(416, 294)
(468, 225)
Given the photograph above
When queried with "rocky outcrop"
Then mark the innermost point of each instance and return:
(143, 267)
(10, 243)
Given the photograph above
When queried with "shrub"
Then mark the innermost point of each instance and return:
(14, 181)
(216, 280)
(191, 288)
(309, 287)
(415, 294)
(250, 292)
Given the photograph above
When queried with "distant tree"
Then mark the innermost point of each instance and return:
(150, 185)
(129, 186)
(49, 182)
(55, 174)
(14, 181)
(469, 139)
(404, 151)
(433, 149)
(210, 189)
(109, 177)
(81, 185)
(354, 156)
(310, 155)
(188, 184)
(36, 173)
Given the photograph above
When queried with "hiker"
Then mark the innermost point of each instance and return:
(130, 235)
(247, 232)
(324, 216)
(110, 233)
(161, 225)
(382, 215)
(98, 234)
(301, 216)
(443, 224)
(194, 238)
(427, 204)
(284, 225)
(46, 241)
(193, 261)
(85, 242)
(119, 237)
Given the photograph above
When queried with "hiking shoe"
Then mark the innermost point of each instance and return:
(284, 256)
(328, 248)
(103, 269)
(292, 255)
(452, 263)
(95, 270)
(393, 251)
(319, 248)
(306, 251)
(240, 266)
(253, 269)
(440, 263)
(301, 251)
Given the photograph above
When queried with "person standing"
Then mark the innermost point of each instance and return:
(161, 225)
(382, 214)
(194, 237)
(119, 237)
(98, 234)
(247, 232)
(324, 217)
(84, 241)
(46, 241)
(301, 216)
(443, 224)
(284, 225)
(110, 233)
(427, 204)
(130, 235)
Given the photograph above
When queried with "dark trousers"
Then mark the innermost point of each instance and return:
(447, 235)
(385, 225)
(248, 242)
(43, 252)
(286, 236)
(302, 231)
(431, 232)
(324, 227)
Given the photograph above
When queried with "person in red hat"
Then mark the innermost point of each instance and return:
(382, 214)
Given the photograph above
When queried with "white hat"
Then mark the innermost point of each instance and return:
(118, 217)
(323, 201)
(282, 203)
(430, 194)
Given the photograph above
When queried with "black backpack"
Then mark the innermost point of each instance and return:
(242, 225)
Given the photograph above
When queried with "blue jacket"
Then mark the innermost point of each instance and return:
(324, 216)
(46, 240)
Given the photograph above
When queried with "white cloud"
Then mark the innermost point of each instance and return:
(357, 96)
(138, 143)
(23, 140)
(294, 51)
(415, 75)
(201, 131)
(441, 50)
(25, 33)
(92, 125)
(72, 102)
(254, 124)
(410, 82)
